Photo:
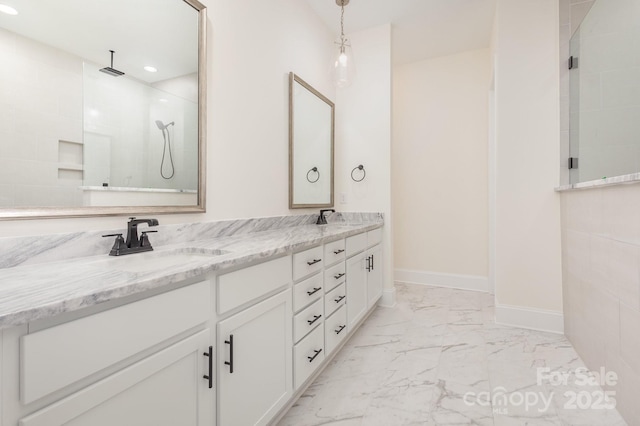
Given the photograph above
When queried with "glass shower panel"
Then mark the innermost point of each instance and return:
(605, 91)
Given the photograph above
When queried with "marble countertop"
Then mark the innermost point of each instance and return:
(34, 292)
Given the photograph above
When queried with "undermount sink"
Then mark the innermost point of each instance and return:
(157, 260)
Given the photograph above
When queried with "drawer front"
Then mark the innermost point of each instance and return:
(356, 244)
(307, 291)
(374, 237)
(335, 329)
(239, 287)
(335, 299)
(59, 356)
(334, 252)
(307, 320)
(308, 355)
(307, 262)
(334, 276)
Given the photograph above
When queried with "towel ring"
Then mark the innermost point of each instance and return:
(364, 173)
(315, 170)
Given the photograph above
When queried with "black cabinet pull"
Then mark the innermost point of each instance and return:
(315, 290)
(339, 299)
(372, 268)
(339, 330)
(210, 375)
(317, 352)
(314, 261)
(230, 362)
(315, 318)
(368, 267)
(338, 251)
(340, 275)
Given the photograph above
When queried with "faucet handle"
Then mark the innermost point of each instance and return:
(144, 239)
(118, 244)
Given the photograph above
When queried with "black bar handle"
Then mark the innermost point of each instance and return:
(338, 251)
(340, 275)
(368, 267)
(314, 261)
(230, 362)
(210, 375)
(339, 299)
(339, 330)
(317, 352)
(315, 318)
(315, 290)
(372, 268)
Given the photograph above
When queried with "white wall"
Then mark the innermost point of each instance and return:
(527, 210)
(439, 169)
(363, 133)
(252, 46)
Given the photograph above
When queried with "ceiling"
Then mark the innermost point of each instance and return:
(421, 29)
(160, 33)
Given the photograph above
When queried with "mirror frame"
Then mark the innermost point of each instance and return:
(293, 78)
(13, 213)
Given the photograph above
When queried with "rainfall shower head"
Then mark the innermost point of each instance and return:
(110, 70)
(163, 126)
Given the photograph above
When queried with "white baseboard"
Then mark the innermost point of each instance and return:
(388, 299)
(533, 319)
(463, 282)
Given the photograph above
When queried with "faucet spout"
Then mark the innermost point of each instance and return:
(321, 219)
(132, 231)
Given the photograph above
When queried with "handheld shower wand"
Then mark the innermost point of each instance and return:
(167, 143)
(163, 126)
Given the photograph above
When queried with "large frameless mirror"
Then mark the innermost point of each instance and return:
(311, 134)
(102, 105)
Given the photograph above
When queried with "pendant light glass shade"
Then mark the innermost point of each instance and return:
(343, 69)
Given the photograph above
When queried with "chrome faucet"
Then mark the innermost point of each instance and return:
(133, 243)
(321, 219)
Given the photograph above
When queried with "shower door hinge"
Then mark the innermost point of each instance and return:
(573, 62)
(573, 162)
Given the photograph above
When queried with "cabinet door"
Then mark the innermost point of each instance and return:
(255, 362)
(165, 389)
(356, 289)
(374, 275)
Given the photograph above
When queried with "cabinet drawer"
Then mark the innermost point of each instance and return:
(308, 355)
(356, 244)
(335, 329)
(307, 262)
(307, 320)
(374, 237)
(59, 356)
(335, 299)
(307, 291)
(334, 252)
(334, 276)
(239, 287)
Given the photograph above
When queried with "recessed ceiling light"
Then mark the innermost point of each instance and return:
(8, 9)
(163, 100)
(150, 68)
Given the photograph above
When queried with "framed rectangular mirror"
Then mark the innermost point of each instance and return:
(311, 145)
(91, 132)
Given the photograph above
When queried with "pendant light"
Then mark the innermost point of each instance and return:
(342, 68)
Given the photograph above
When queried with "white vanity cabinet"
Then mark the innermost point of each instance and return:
(254, 366)
(364, 274)
(142, 363)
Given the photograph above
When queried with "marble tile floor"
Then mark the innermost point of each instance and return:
(438, 358)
